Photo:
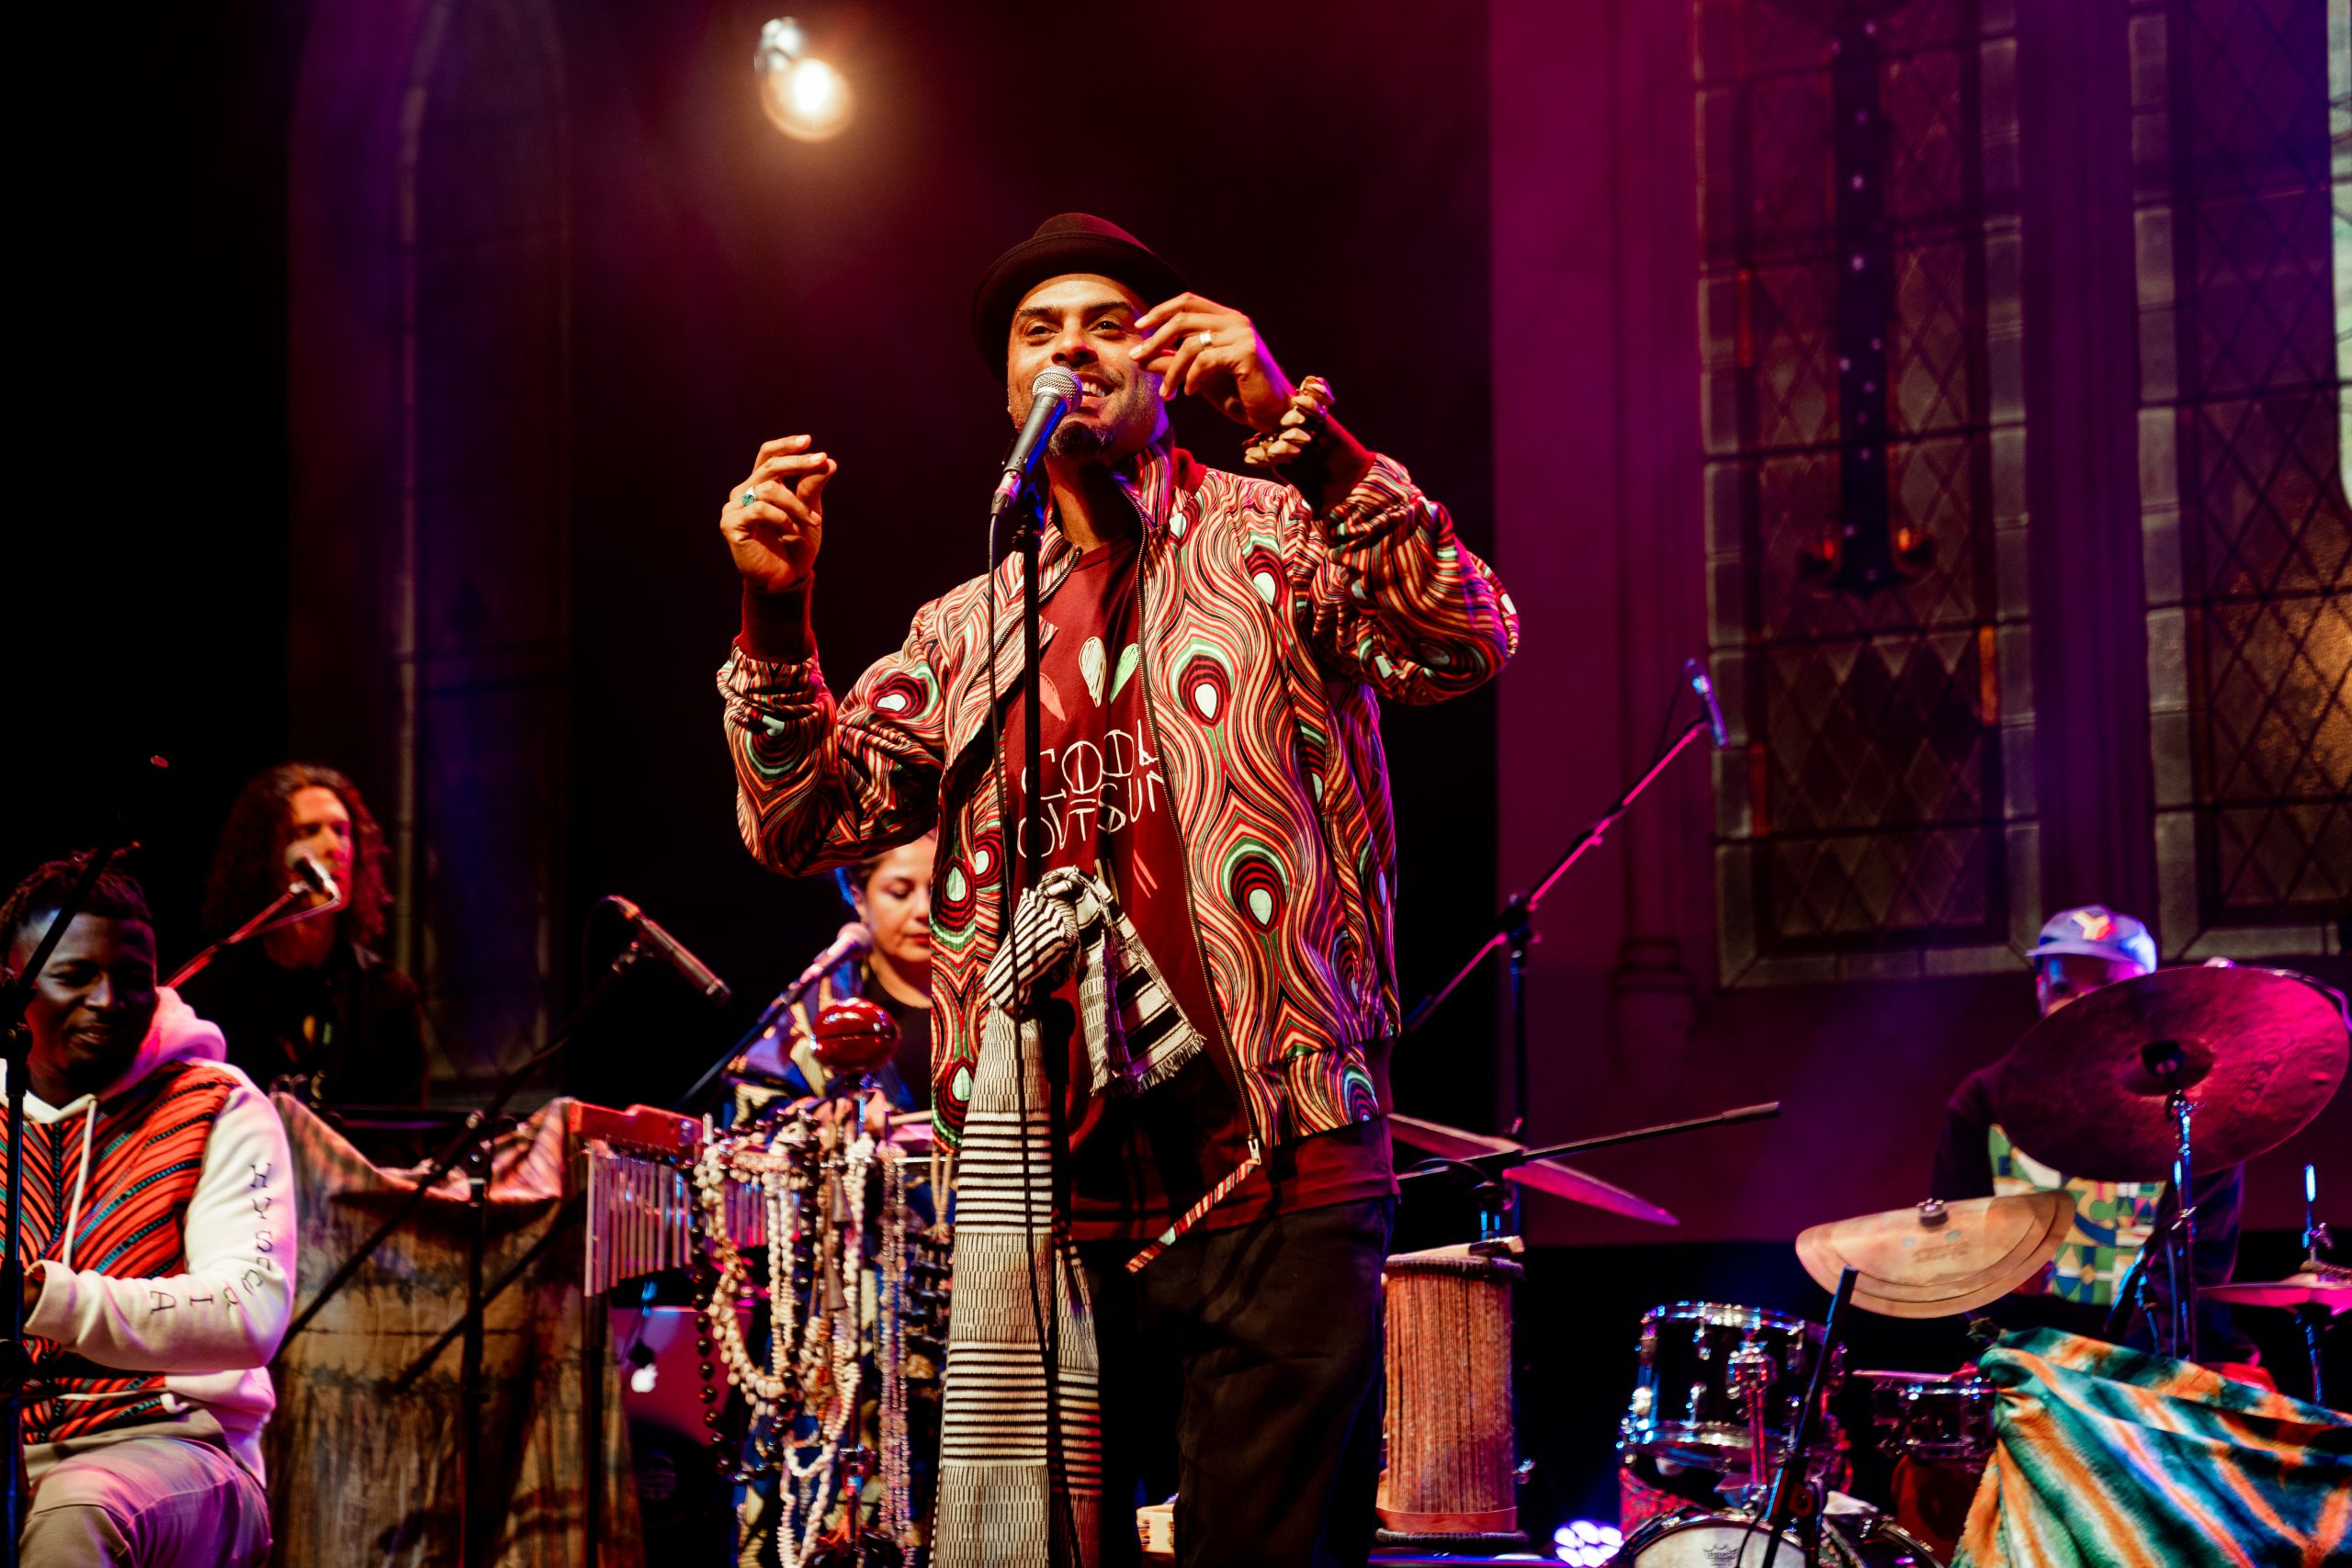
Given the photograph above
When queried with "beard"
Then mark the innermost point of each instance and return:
(1129, 418)
(1071, 439)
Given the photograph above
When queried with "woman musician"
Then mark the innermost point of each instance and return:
(891, 894)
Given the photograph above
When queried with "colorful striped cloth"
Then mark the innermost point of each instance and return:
(2109, 1458)
(1021, 1424)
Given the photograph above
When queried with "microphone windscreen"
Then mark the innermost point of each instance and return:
(854, 938)
(1054, 382)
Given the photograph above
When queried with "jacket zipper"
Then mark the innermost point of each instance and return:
(1257, 1135)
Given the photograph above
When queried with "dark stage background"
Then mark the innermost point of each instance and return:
(388, 364)
(724, 285)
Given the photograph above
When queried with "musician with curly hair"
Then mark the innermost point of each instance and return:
(312, 1001)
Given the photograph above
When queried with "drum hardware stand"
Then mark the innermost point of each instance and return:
(1751, 1375)
(1512, 929)
(15, 1050)
(2131, 1297)
(2177, 1333)
(1781, 1501)
(2166, 1060)
(2311, 1317)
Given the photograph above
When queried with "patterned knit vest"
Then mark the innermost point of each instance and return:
(2112, 1222)
(146, 1155)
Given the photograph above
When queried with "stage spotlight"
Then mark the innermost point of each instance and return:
(1586, 1543)
(806, 97)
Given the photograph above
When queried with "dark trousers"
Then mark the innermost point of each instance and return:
(1243, 1370)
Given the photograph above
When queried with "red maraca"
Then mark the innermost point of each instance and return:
(854, 1037)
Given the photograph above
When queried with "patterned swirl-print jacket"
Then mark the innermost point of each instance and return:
(1268, 634)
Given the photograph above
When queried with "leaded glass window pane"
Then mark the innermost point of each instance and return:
(1861, 433)
(2250, 538)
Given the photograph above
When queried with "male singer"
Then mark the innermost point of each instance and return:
(1215, 646)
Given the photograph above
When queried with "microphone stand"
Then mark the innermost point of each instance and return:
(785, 1001)
(472, 1145)
(1487, 1166)
(16, 1048)
(1027, 513)
(1782, 1500)
(1512, 929)
(260, 925)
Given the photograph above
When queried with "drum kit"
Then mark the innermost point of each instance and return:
(2145, 1080)
(1729, 1455)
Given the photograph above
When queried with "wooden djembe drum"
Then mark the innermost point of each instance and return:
(1452, 1456)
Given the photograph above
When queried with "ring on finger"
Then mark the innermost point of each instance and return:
(1203, 339)
(748, 497)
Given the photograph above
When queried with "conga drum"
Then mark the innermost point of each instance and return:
(1452, 1478)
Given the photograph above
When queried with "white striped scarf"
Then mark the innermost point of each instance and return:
(1069, 918)
(1007, 1465)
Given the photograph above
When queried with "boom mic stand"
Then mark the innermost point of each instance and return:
(1782, 1500)
(1512, 929)
(269, 921)
(770, 1017)
(16, 1047)
(1489, 1166)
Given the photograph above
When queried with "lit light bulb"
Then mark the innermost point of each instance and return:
(805, 97)
(1586, 1543)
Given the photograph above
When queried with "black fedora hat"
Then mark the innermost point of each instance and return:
(1067, 243)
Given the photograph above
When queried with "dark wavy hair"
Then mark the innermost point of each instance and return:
(850, 881)
(247, 869)
(116, 896)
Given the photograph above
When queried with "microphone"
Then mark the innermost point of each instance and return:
(853, 941)
(1696, 673)
(314, 875)
(1050, 396)
(692, 970)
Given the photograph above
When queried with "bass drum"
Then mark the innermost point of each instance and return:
(1695, 1539)
(1692, 1538)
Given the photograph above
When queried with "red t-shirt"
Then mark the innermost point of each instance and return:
(1137, 1163)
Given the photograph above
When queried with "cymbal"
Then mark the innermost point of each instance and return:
(1939, 1259)
(2315, 1284)
(1551, 1176)
(2260, 1051)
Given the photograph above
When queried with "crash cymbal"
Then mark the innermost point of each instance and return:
(1939, 1259)
(1454, 1143)
(2315, 1284)
(1555, 1177)
(2259, 1051)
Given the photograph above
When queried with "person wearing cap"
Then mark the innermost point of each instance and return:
(2079, 951)
(1215, 648)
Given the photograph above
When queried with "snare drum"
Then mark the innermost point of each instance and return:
(1933, 1420)
(1698, 1361)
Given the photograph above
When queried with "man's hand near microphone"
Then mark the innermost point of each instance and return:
(773, 521)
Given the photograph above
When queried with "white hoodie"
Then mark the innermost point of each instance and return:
(239, 1240)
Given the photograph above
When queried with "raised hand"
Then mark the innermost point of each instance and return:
(775, 519)
(1198, 345)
